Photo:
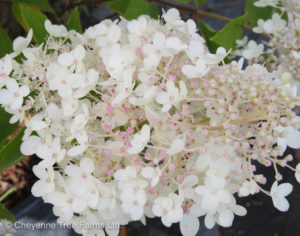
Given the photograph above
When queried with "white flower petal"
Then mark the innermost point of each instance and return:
(226, 218)
(282, 142)
(78, 187)
(17, 103)
(196, 49)
(87, 165)
(176, 146)
(190, 71)
(159, 40)
(293, 139)
(76, 150)
(114, 33)
(66, 59)
(20, 42)
(137, 213)
(39, 172)
(6, 97)
(12, 85)
(162, 98)
(79, 205)
(239, 210)
(57, 198)
(166, 222)
(197, 211)
(148, 172)
(284, 189)
(297, 176)
(73, 171)
(36, 122)
(248, 54)
(29, 146)
(209, 202)
(79, 52)
(189, 225)
(24, 91)
(39, 188)
(44, 152)
(281, 203)
(209, 221)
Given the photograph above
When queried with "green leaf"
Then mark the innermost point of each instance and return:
(140, 7)
(6, 128)
(31, 18)
(255, 13)
(85, 9)
(74, 21)
(17, 13)
(10, 153)
(198, 2)
(131, 9)
(227, 36)
(119, 6)
(5, 44)
(6, 214)
(42, 4)
(207, 32)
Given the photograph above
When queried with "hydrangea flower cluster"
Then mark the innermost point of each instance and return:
(282, 51)
(136, 119)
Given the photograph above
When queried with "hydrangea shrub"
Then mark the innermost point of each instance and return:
(135, 119)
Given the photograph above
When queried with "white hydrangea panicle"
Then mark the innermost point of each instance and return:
(136, 119)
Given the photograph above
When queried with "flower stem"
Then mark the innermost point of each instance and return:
(8, 192)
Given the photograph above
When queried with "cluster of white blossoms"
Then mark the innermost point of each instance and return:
(136, 119)
(282, 51)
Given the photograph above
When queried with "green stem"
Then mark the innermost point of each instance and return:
(8, 192)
